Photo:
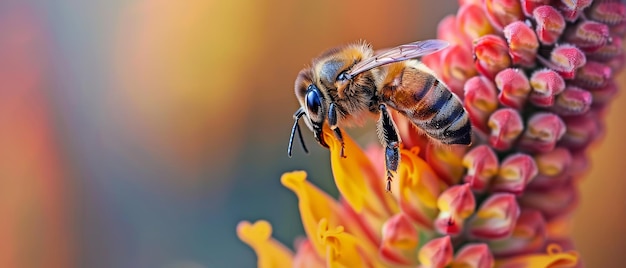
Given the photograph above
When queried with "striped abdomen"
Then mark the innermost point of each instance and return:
(427, 102)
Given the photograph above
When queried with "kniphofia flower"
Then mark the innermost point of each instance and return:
(536, 77)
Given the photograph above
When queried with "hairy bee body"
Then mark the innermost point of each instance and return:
(345, 85)
(414, 91)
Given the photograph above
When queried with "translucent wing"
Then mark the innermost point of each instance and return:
(399, 53)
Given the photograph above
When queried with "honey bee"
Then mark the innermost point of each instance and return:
(345, 84)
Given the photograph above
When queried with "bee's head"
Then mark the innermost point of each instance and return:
(313, 104)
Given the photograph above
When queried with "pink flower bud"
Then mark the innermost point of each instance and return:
(492, 55)
(610, 50)
(581, 131)
(566, 59)
(550, 24)
(528, 6)
(437, 253)
(552, 169)
(571, 9)
(528, 236)
(474, 255)
(572, 101)
(523, 43)
(593, 75)
(607, 12)
(399, 241)
(506, 125)
(516, 171)
(399, 232)
(602, 96)
(480, 101)
(553, 202)
(482, 165)
(554, 162)
(514, 87)
(448, 30)
(457, 67)
(588, 35)
(472, 21)
(543, 131)
(546, 84)
(503, 12)
(617, 63)
(458, 200)
(495, 219)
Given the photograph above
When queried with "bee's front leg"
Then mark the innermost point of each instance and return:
(391, 141)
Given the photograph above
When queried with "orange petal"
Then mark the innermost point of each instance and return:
(270, 253)
(356, 178)
(314, 205)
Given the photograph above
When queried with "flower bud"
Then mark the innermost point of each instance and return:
(457, 67)
(528, 236)
(474, 255)
(482, 165)
(546, 84)
(492, 55)
(581, 131)
(503, 12)
(528, 6)
(566, 59)
(480, 101)
(571, 9)
(523, 43)
(550, 24)
(495, 219)
(572, 101)
(552, 168)
(399, 241)
(514, 87)
(588, 35)
(437, 253)
(552, 202)
(610, 50)
(593, 75)
(607, 12)
(602, 96)
(455, 205)
(472, 22)
(543, 130)
(516, 171)
(506, 125)
(448, 30)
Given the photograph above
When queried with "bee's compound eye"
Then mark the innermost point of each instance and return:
(343, 76)
(313, 102)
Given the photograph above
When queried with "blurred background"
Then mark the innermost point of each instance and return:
(139, 133)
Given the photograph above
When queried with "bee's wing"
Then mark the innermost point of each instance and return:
(400, 53)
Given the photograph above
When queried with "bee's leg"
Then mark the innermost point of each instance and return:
(332, 122)
(391, 141)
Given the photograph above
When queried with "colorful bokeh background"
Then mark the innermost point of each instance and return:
(138, 133)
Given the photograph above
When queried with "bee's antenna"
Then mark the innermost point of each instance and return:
(296, 127)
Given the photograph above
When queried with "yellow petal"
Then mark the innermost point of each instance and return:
(314, 205)
(357, 179)
(270, 253)
(554, 258)
(344, 249)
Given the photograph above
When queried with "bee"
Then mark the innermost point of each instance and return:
(345, 84)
